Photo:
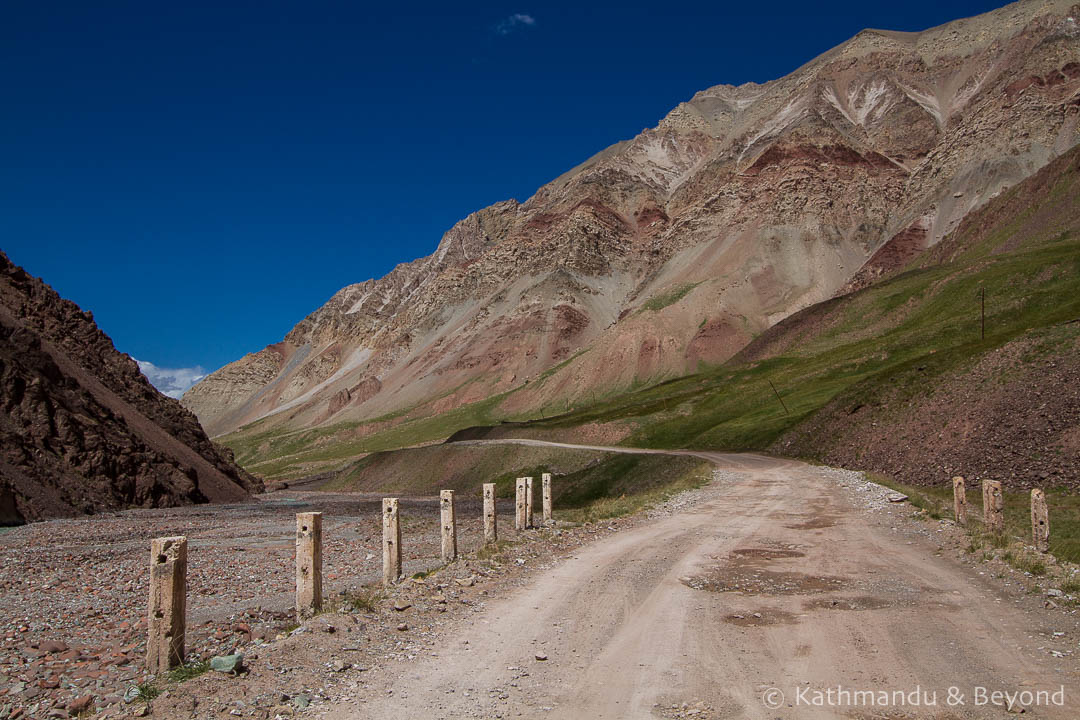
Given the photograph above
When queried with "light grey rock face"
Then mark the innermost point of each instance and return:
(743, 205)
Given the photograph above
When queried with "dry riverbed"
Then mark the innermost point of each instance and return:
(73, 599)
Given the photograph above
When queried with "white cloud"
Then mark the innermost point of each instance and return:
(171, 382)
(514, 22)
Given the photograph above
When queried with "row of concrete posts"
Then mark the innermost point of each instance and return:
(993, 502)
(168, 564)
(523, 502)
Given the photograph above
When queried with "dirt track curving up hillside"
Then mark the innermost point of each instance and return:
(785, 582)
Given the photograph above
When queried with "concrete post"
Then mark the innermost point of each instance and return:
(308, 564)
(959, 500)
(519, 504)
(546, 478)
(449, 526)
(993, 513)
(391, 541)
(1040, 521)
(491, 530)
(168, 604)
(529, 502)
(985, 497)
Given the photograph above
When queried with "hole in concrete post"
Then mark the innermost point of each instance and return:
(158, 614)
(303, 529)
(162, 559)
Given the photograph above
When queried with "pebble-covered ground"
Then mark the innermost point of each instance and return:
(73, 593)
(73, 600)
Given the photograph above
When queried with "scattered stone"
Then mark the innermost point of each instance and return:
(541, 657)
(227, 663)
(80, 705)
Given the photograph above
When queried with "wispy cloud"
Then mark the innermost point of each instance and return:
(516, 21)
(171, 382)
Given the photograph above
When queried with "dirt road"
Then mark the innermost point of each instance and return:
(768, 600)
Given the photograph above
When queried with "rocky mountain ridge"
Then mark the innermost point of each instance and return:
(82, 430)
(674, 249)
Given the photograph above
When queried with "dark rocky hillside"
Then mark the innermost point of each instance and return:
(81, 429)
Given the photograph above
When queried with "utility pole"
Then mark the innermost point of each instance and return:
(782, 403)
(982, 298)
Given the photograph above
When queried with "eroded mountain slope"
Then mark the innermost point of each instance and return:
(674, 249)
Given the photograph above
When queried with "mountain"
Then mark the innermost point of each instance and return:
(82, 430)
(903, 377)
(670, 252)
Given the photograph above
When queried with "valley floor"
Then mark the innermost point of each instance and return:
(776, 577)
(787, 585)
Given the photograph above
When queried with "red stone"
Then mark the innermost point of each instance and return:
(78, 705)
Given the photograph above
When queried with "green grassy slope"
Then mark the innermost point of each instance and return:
(589, 485)
(903, 333)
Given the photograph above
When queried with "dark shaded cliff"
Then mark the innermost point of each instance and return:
(81, 429)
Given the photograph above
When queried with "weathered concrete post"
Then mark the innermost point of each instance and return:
(391, 541)
(1040, 521)
(529, 502)
(308, 564)
(168, 604)
(985, 497)
(546, 479)
(993, 513)
(491, 530)
(519, 504)
(449, 526)
(959, 500)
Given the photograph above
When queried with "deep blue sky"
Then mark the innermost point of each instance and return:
(203, 175)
